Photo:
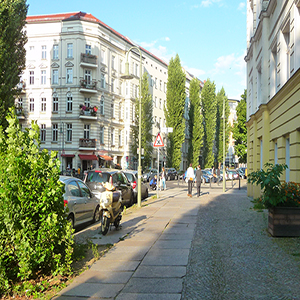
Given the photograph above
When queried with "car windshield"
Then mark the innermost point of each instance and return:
(130, 177)
(98, 177)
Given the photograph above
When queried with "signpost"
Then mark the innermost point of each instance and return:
(158, 143)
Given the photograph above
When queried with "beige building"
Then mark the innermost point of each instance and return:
(273, 86)
(72, 86)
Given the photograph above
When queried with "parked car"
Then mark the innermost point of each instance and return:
(171, 174)
(242, 172)
(132, 177)
(95, 178)
(80, 204)
(181, 174)
(205, 178)
(232, 174)
(146, 175)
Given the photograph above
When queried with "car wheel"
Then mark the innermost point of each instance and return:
(71, 220)
(97, 215)
(117, 222)
(105, 225)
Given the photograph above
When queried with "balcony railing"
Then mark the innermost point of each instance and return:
(87, 143)
(92, 85)
(88, 59)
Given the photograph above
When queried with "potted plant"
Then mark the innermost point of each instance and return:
(281, 199)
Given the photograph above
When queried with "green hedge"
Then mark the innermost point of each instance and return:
(35, 237)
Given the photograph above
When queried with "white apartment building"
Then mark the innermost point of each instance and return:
(72, 86)
(273, 86)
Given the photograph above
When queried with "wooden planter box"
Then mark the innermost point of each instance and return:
(284, 221)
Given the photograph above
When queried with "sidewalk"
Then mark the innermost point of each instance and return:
(176, 247)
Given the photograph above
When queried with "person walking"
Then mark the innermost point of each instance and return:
(190, 175)
(198, 180)
(163, 178)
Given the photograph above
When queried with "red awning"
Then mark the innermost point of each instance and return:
(88, 157)
(106, 157)
(68, 155)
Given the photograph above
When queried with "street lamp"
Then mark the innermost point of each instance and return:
(129, 76)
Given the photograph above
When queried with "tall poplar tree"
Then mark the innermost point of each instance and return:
(240, 129)
(147, 121)
(195, 123)
(220, 98)
(12, 52)
(209, 107)
(174, 111)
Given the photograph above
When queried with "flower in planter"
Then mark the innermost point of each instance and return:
(95, 108)
(84, 108)
(274, 193)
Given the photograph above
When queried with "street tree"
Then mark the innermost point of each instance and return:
(195, 123)
(146, 122)
(12, 52)
(221, 98)
(240, 129)
(174, 111)
(209, 108)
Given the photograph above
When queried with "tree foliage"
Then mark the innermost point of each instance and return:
(240, 129)
(208, 100)
(174, 111)
(195, 123)
(35, 237)
(221, 98)
(12, 52)
(147, 122)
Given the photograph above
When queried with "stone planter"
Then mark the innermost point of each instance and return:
(284, 221)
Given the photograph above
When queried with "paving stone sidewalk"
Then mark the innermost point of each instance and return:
(176, 247)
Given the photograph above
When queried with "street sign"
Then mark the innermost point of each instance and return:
(158, 141)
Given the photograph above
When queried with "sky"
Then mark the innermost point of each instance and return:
(208, 35)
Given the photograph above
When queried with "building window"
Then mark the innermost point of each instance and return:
(55, 51)
(151, 81)
(101, 135)
(155, 102)
(31, 77)
(155, 82)
(287, 159)
(160, 105)
(127, 88)
(259, 87)
(87, 102)
(127, 113)
(102, 105)
(69, 50)
(103, 56)
(69, 75)
(112, 111)
(261, 154)
(276, 154)
(112, 136)
(55, 132)
(69, 102)
(120, 138)
(160, 85)
(43, 104)
(113, 58)
(88, 76)
(86, 131)
(55, 103)
(286, 35)
(43, 132)
(69, 132)
(112, 85)
(55, 76)
(43, 77)
(88, 49)
(120, 111)
(44, 52)
(121, 66)
(102, 81)
(31, 105)
(165, 87)
(136, 69)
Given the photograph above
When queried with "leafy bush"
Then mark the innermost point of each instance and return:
(275, 194)
(35, 237)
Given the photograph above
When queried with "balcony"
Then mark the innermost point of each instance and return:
(88, 86)
(88, 113)
(88, 60)
(87, 144)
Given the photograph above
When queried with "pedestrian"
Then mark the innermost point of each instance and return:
(163, 178)
(218, 175)
(190, 175)
(198, 180)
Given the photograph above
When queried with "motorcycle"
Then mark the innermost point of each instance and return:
(110, 208)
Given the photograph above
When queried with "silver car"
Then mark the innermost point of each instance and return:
(80, 204)
(132, 177)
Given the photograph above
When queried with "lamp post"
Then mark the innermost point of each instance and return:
(129, 76)
(224, 169)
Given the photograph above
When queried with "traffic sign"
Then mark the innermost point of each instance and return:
(158, 141)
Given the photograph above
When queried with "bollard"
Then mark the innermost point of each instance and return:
(210, 183)
(232, 182)
(239, 182)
